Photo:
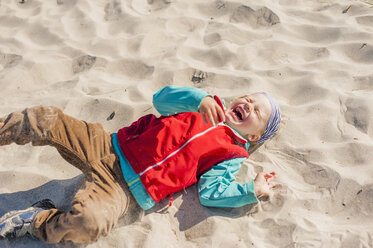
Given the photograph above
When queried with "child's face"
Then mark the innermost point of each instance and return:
(249, 115)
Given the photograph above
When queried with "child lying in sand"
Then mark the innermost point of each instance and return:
(147, 161)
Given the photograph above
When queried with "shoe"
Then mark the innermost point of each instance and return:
(18, 223)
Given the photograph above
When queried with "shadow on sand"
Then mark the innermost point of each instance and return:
(61, 192)
(191, 212)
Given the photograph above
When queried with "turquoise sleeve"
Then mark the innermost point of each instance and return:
(217, 188)
(176, 99)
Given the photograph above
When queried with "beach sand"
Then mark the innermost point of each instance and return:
(96, 58)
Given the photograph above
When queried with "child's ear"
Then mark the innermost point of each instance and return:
(253, 137)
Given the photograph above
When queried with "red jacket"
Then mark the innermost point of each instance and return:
(170, 152)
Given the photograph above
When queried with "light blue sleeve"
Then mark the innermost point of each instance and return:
(176, 99)
(217, 189)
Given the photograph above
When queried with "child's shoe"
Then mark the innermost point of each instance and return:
(18, 223)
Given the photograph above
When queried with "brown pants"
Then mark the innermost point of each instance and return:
(104, 196)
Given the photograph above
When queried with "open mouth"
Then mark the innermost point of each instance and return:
(238, 114)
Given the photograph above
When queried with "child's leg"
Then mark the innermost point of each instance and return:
(104, 196)
(77, 141)
(96, 208)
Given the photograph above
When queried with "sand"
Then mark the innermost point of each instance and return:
(93, 58)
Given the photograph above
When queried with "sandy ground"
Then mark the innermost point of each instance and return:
(93, 58)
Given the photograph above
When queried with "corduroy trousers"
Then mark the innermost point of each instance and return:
(104, 196)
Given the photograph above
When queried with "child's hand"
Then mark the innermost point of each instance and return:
(263, 183)
(210, 108)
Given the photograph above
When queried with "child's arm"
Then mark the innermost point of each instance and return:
(175, 99)
(217, 189)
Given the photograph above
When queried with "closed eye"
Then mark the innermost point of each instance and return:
(258, 112)
(249, 100)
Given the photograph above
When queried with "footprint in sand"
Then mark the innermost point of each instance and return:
(280, 231)
(320, 176)
(363, 82)
(113, 10)
(317, 34)
(365, 20)
(364, 203)
(83, 63)
(212, 38)
(358, 52)
(131, 68)
(306, 90)
(355, 153)
(148, 6)
(67, 3)
(356, 114)
(262, 17)
(9, 60)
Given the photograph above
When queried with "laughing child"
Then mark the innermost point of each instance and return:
(194, 139)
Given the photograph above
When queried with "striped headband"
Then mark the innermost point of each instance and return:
(274, 119)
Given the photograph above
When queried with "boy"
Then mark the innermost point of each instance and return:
(145, 162)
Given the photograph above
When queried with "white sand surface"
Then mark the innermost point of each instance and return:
(92, 58)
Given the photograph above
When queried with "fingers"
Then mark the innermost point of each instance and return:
(221, 115)
(263, 183)
(211, 117)
(217, 114)
(270, 176)
(208, 117)
(211, 111)
(204, 118)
